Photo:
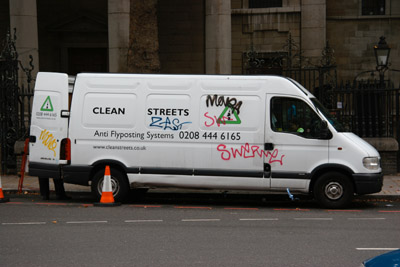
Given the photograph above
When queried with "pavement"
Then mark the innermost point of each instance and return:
(31, 184)
(391, 185)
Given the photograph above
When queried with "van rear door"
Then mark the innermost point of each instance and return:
(49, 124)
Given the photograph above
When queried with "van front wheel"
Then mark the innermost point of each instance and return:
(119, 183)
(333, 190)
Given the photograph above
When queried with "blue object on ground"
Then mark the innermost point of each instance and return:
(390, 259)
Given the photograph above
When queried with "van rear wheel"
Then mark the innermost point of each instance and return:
(333, 190)
(119, 183)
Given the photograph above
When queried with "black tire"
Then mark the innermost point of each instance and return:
(333, 190)
(119, 182)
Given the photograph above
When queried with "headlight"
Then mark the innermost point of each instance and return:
(371, 163)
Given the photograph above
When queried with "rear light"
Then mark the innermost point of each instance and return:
(65, 149)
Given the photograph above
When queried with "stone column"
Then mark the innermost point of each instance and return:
(313, 28)
(218, 37)
(23, 17)
(118, 35)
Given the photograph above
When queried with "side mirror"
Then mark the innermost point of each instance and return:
(325, 134)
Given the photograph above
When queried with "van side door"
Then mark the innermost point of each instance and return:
(49, 124)
(294, 144)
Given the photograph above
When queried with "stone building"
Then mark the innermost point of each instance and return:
(202, 36)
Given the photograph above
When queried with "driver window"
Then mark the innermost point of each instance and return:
(291, 115)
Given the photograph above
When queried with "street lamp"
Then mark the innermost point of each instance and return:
(382, 51)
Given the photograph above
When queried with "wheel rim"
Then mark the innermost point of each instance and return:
(334, 190)
(114, 184)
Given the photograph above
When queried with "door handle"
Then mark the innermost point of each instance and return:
(267, 170)
(268, 146)
(65, 114)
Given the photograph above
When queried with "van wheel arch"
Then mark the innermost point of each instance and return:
(101, 164)
(317, 173)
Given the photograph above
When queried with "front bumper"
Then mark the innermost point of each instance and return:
(368, 183)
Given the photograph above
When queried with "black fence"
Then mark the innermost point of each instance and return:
(15, 102)
(315, 79)
(369, 109)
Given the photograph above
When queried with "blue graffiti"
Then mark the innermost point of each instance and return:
(167, 123)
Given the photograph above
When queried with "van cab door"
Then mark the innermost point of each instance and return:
(293, 142)
(49, 124)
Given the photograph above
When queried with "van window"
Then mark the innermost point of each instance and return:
(294, 116)
(332, 120)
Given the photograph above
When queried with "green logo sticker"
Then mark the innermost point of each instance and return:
(47, 105)
(230, 111)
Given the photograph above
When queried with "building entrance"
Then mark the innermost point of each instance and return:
(87, 60)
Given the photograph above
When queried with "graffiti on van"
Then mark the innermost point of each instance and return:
(212, 120)
(249, 151)
(48, 141)
(166, 123)
(230, 102)
(224, 118)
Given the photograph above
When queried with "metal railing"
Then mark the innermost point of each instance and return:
(366, 108)
(15, 101)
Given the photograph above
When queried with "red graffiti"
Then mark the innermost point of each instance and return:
(215, 120)
(247, 151)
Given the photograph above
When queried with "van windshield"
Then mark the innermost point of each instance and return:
(332, 120)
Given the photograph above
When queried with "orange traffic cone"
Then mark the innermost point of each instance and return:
(107, 198)
(2, 198)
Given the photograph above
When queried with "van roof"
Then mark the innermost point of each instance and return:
(194, 76)
(278, 80)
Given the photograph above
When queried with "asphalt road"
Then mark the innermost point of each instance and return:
(195, 230)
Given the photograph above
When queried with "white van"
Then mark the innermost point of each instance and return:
(263, 133)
